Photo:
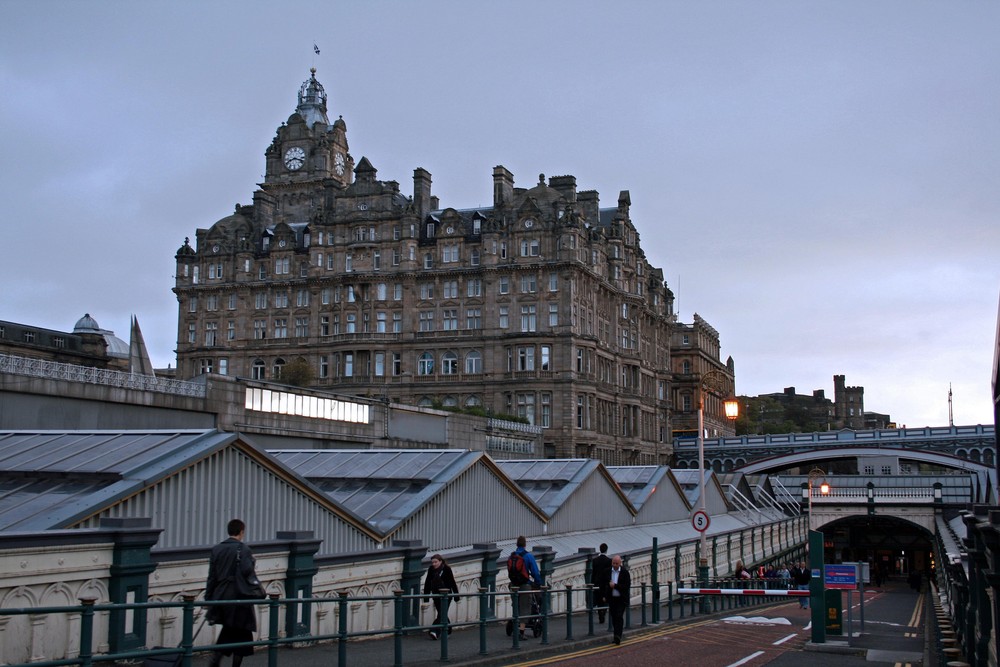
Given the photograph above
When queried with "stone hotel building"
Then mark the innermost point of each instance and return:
(541, 306)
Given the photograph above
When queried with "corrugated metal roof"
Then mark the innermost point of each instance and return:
(638, 482)
(381, 487)
(49, 478)
(549, 483)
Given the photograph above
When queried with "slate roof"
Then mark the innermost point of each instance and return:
(50, 479)
(381, 487)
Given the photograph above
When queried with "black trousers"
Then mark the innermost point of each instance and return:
(616, 607)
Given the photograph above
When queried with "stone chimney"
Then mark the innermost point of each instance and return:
(503, 186)
(566, 185)
(422, 191)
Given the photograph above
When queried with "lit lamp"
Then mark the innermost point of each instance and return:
(713, 380)
(824, 488)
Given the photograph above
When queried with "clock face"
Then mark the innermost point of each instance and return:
(295, 158)
(338, 163)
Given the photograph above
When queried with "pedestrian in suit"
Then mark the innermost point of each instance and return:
(601, 574)
(238, 621)
(439, 576)
(618, 594)
(801, 575)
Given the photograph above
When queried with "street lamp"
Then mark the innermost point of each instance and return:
(718, 382)
(824, 488)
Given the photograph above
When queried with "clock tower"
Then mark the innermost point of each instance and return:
(307, 148)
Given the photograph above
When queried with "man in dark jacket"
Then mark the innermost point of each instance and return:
(238, 621)
(801, 575)
(618, 594)
(600, 577)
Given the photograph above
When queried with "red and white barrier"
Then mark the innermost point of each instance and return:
(742, 591)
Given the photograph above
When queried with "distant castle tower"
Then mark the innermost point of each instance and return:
(848, 404)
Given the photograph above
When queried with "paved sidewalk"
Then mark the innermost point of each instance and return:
(888, 638)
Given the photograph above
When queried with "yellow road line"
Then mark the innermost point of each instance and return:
(918, 612)
(645, 636)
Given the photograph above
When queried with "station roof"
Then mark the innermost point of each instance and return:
(551, 483)
(382, 487)
(49, 479)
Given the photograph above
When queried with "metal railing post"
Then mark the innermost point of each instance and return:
(397, 631)
(643, 605)
(515, 615)
(484, 610)
(272, 629)
(87, 631)
(444, 597)
(569, 611)
(546, 601)
(187, 624)
(590, 610)
(342, 630)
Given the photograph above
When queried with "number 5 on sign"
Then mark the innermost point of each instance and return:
(700, 521)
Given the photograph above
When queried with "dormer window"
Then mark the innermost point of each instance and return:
(477, 226)
(430, 230)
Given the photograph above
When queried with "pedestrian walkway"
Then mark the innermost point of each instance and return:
(896, 631)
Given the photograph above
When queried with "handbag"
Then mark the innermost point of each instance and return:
(248, 586)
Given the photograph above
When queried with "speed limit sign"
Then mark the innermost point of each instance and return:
(700, 521)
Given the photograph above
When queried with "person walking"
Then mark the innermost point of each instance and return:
(740, 571)
(618, 595)
(600, 575)
(801, 575)
(439, 577)
(523, 572)
(230, 559)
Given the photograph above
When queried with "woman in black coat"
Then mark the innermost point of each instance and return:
(238, 621)
(439, 576)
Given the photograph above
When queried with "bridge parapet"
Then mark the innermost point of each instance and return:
(881, 437)
(915, 496)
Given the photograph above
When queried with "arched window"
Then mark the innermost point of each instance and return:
(474, 362)
(449, 363)
(279, 363)
(425, 364)
(473, 401)
(425, 402)
(257, 370)
(449, 402)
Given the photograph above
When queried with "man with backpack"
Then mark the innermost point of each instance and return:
(522, 570)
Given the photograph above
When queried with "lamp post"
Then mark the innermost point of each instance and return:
(717, 382)
(824, 488)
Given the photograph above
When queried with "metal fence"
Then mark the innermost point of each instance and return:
(656, 605)
(44, 368)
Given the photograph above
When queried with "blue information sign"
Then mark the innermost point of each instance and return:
(843, 577)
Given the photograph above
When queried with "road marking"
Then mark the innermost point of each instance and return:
(782, 641)
(917, 612)
(609, 647)
(746, 659)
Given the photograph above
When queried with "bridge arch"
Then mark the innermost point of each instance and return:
(782, 462)
(897, 545)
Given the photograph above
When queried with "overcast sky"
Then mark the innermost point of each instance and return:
(818, 180)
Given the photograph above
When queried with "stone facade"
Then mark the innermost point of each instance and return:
(87, 345)
(695, 353)
(541, 306)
